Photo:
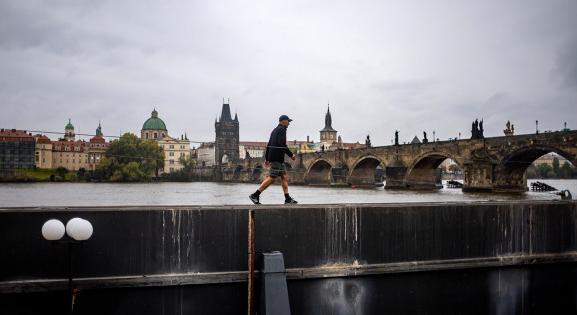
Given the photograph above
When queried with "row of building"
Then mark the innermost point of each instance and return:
(22, 150)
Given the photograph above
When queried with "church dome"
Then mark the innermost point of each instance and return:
(69, 125)
(154, 123)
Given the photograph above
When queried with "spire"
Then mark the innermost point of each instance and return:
(69, 125)
(236, 117)
(328, 118)
(99, 129)
(328, 121)
(225, 114)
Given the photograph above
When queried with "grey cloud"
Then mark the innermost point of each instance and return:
(383, 65)
(565, 71)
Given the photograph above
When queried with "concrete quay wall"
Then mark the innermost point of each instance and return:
(340, 259)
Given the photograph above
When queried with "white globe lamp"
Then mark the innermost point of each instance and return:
(53, 230)
(79, 229)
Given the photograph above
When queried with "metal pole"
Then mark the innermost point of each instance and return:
(251, 262)
(70, 290)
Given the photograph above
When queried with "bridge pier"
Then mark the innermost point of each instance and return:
(478, 176)
(339, 176)
(514, 182)
(395, 175)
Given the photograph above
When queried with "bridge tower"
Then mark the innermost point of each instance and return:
(328, 134)
(227, 136)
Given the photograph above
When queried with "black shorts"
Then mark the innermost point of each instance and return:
(276, 169)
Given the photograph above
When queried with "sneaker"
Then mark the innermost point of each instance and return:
(254, 199)
(291, 200)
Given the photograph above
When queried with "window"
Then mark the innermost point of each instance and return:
(172, 169)
(171, 153)
(155, 135)
(172, 146)
(171, 162)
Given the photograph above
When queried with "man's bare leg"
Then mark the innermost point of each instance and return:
(267, 182)
(255, 198)
(284, 183)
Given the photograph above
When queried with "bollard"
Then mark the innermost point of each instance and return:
(273, 293)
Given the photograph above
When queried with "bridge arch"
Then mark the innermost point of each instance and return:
(364, 171)
(424, 172)
(510, 172)
(319, 173)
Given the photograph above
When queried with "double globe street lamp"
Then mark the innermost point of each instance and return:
(78, 231)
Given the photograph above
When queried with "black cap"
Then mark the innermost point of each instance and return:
(284, 117)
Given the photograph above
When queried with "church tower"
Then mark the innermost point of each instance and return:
(69, 134)
(328, 134)
(227, 136)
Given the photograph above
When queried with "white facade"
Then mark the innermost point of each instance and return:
(254, 149)
(205, 154)
(174, 149)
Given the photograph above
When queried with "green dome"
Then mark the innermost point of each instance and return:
(154, 123)
(69, 125)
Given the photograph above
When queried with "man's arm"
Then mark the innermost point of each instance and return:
(282, 141)
(266, 152)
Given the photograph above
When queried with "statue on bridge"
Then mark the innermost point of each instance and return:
(425, 140)
(368, 141)
(510, 129)
(477, 130)
(396, 137)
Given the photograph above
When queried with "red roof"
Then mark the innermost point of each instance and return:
(15, 135)
(42, 139)
(97, 139)
(61, 145)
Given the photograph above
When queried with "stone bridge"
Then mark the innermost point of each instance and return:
(495, 164)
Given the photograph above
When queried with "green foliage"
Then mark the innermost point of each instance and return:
(39, 173)
(184, 174)
(130, 159)
(555, 165)
(564, 171)
(61, 172)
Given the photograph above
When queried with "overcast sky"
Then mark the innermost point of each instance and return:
(382, 65)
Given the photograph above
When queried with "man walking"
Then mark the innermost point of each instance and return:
(274, 156)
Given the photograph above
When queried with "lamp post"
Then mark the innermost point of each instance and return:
(78, 231)
(536, 127)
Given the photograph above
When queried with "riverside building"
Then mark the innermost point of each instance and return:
(174, 149)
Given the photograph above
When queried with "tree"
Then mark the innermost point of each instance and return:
(565, 170)
(556, 165)
(543, 170)
(131, 159)
(61, 172)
